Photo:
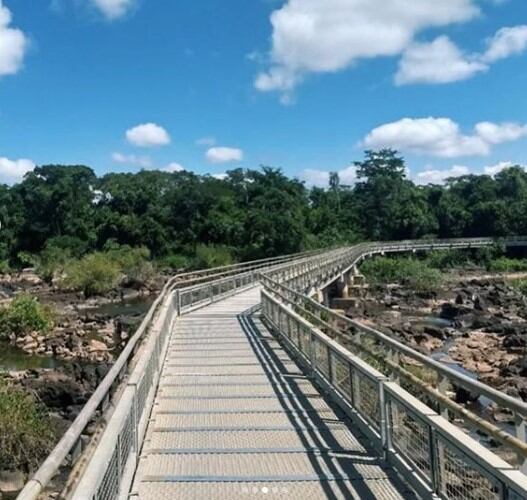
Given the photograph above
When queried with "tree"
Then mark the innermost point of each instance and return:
(390, 206)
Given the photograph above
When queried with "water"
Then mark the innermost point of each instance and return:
(14, 359)
(128, 307)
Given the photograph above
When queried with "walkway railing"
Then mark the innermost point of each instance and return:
(393, 357)
(70, 450)
(435, 456)
(111, 466)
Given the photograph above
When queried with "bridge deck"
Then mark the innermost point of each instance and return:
(234, 417)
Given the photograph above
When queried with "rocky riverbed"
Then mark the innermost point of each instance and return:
(63, 367)
(478, 322)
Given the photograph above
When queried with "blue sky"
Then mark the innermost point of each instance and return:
(305, 85)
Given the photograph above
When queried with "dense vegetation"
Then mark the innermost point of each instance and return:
(59, 213)
(26, 433)
(425, 271)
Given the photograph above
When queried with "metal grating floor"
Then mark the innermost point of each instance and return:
(234, 417)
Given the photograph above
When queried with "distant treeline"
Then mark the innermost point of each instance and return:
(251, 213)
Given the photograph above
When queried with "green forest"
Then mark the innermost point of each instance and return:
(60, 211)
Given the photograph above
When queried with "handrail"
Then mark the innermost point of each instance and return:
(296, 274)
(100, 398)
(474, 386)
(113, 462)
(414, 438)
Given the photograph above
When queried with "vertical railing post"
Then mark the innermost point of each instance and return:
(435, 461)
(383, 416)
(442, 387)
(330, 365)
(178, 303)
(312, 354)
(521, 434)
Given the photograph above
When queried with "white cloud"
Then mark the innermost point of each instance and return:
(496, 169)
(320, 178)
(497, 133)
(173, 167)
(224, 155)
(148, 135)
(12, 171)
(206, 141)
(505, 43)
(141, 161)
(313, 36)
(113, 9)
(433, 176)
(13, 44)
(440, 61)
(442, 137)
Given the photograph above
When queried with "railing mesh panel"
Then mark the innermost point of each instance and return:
(341, 376)
(366, 399)
(321, 357)
(459, 479)
(411, 438)
(127, 438)
(109, 487)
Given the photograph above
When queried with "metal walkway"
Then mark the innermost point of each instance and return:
(234, 417)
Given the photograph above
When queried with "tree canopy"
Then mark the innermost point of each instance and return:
(253, 213)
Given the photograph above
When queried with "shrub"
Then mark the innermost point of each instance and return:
(446, 259)
(134, 263)
(175, 262)
(27, 259)
(94, 274)
(520, 285)
(25, 315)
(4, 267)
(208, 256)
(507, 265)
(413, 273)
(52, 262)
(26, 432)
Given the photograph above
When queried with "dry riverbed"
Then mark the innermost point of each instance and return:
(62, 368)
(477, 322)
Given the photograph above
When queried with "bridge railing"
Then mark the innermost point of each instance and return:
(431, 383)
(192, 278)
(70, 450)
(437, 457)
(112, 465)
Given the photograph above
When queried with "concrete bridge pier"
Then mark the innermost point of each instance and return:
(343, 285)
(323, 296)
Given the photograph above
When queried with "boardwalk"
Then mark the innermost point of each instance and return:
(234, 417)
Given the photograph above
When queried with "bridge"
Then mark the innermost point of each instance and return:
(242, 383)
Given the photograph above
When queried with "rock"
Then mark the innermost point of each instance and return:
(11, 482)
(516, 368)
(479, 304)
(450, 311)
(463, 396)
(97, 346)
(427, 344)
(392, 315)
(515, 341)
(435, 331)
